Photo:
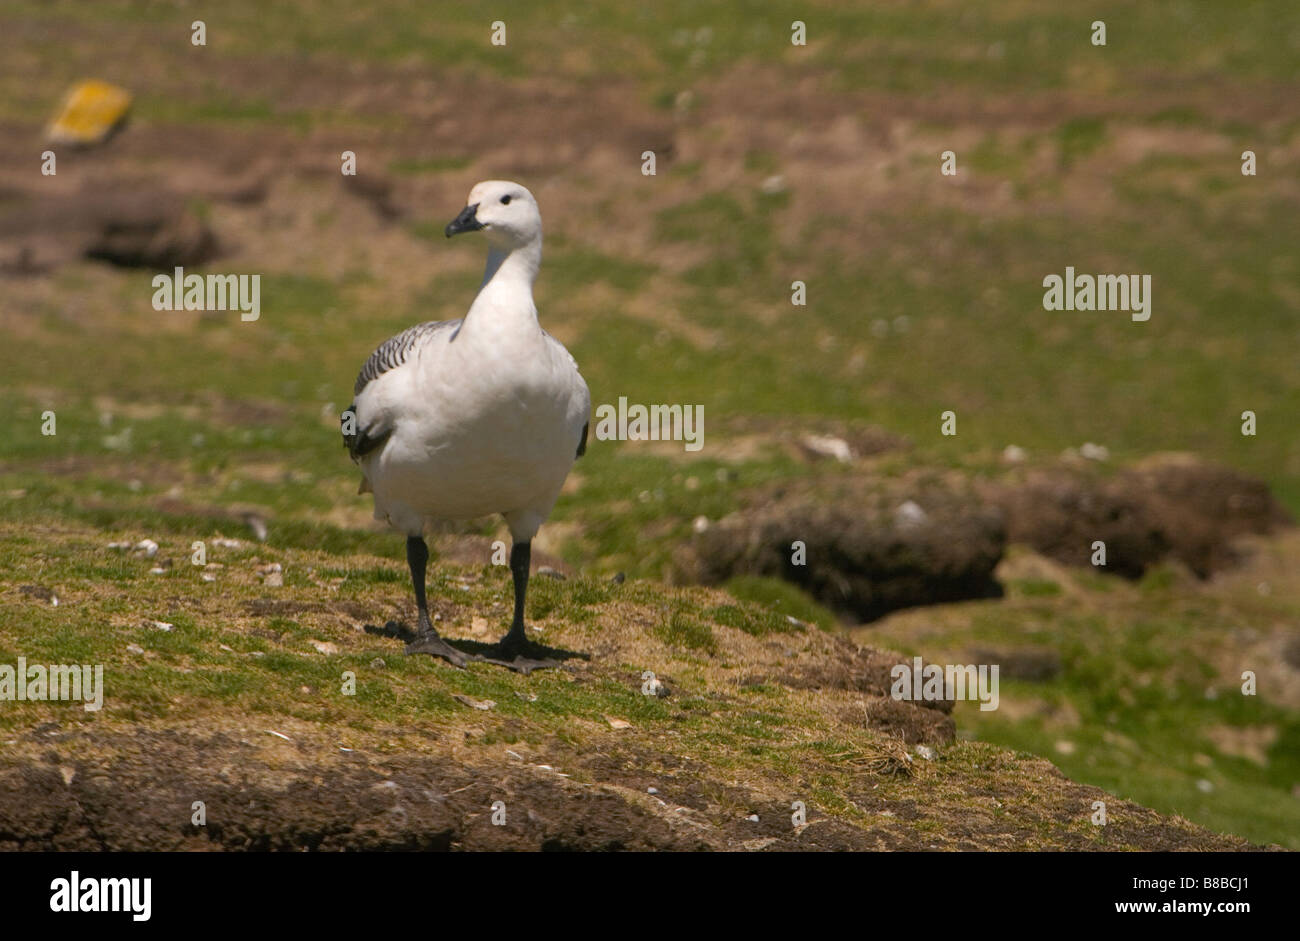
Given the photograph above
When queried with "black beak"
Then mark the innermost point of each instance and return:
(467, 221)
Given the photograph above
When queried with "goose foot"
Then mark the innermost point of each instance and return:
(433, 645)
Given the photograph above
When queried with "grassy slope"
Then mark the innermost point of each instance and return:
(741, 732)
(224, 417)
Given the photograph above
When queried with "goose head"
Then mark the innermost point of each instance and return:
(506, 213)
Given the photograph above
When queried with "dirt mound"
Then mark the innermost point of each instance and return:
(863, 555)
(130, 226)
(136, 791)
(1168, 507)
(872, 547)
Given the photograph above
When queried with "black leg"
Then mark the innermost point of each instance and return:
(417, 557)
(426, 638)
(520, 558)
(515, 648)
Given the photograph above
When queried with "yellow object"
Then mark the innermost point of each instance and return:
(89, 113)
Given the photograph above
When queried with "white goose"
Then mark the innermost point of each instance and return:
(458, 419)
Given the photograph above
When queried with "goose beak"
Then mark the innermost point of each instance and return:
(467, 221)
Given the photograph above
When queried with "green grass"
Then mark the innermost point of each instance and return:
(1137, 693)
(174, 433)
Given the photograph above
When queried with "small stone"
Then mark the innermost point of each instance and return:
(618, 723)
(828, 446)
(257, 525)
(909, 515)
(1204, 786)
(377, 663)
(1065, 747)
(652, 790)
(700, 524)
(325, 647)
(926, 752)
(484, 704)
(752, 818)
(549, 572)
(160, 625)
(1094, 452)
(148, 547)
(134, 648)
(1013, 454)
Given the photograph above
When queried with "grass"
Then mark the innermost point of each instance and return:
(919, 301)
(1148, 700)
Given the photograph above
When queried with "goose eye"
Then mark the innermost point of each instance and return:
(505, 200)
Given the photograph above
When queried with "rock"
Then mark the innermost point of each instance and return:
(120, 223)
(41, 593)
(147, 547)
(258, 525)
(91, 112)
(1166, 507)
(909, 515)
(827, 446)
(865, 554)
(325, 647)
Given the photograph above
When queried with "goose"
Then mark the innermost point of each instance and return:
(459, 419)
